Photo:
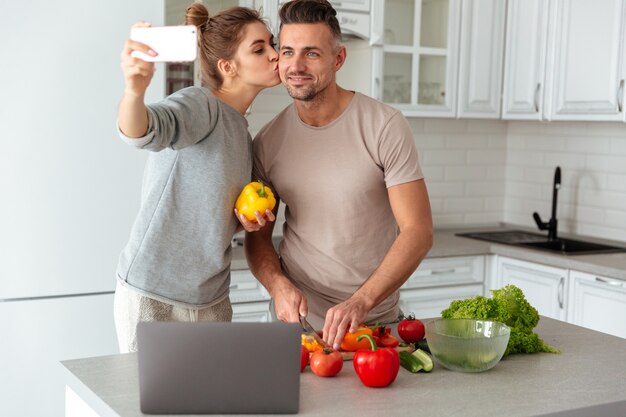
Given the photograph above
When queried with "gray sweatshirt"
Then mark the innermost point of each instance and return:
(179, 249)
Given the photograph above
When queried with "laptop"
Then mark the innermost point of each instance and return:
(219, 368)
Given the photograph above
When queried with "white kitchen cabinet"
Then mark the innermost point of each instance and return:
(480, 66)
(564, 60)
(439, 281)
(429, 302)
(588, 68)
(252, 312)
(250, 300)
(36, 335)
(525, 59)
(439, 58)
(598, 303)
(415, 56)
(545, 287)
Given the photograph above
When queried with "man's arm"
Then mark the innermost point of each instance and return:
(411, 209)
(264, 263)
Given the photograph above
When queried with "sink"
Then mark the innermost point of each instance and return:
(573, 247)
(541, 242)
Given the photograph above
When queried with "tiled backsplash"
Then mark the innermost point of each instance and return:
(488, 171)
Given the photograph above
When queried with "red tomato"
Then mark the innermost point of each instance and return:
(326, 362)
(304, 357)
(411, 330)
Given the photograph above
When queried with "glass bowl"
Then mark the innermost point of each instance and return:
(467, 345)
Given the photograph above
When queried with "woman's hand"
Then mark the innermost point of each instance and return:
(137, 72)
(261, 220)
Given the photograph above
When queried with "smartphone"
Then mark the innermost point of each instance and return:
(171, 43)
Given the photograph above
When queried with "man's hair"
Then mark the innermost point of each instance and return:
(311, 11)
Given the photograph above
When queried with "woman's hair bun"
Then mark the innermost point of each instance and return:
(196, 14)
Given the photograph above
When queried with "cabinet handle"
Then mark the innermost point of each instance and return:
(620, 93)
(561, 288)
(537, 97)
(443, 271)
(611, 282)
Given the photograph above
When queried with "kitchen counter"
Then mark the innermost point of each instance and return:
(590, 372)
(446, 244)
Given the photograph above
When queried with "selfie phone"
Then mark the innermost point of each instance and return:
(171, 43)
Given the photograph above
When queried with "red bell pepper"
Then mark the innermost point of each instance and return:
(383, 337)
(377, 367)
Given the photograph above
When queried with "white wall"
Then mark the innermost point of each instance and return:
(592, 156)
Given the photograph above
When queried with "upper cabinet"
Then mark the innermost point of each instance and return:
(439, 58)
(564, 60)
(415, 60)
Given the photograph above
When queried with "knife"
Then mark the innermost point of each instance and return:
(306, 326)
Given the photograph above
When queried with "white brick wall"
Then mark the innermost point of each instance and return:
(592, 156)
(488, 171)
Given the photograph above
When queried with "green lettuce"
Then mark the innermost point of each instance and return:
(509, 306)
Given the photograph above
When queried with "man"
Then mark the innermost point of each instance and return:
(346, 167)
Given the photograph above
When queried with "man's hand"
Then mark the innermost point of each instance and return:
(289, 302)
(261, 220)
(342, 318)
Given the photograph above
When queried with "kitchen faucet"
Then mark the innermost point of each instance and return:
(551, 225)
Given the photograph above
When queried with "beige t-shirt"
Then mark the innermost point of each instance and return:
(333, 181)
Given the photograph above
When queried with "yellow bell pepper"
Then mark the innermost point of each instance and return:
(310, 343)
(255, 197)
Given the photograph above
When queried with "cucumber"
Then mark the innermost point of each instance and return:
(424, 358)
(416, 361)
(409, 362)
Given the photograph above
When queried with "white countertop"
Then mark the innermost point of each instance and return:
(590, 372)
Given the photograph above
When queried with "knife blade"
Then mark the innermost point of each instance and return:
(308, 329)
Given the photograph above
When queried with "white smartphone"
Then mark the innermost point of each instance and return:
(171, 43)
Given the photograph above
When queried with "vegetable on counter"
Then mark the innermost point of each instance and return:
(509, 306)
(255, 197)
(377, 367)
(410, 329)
(304, 357)
(383, 337)
(310, 343)
(350, 342)
(326, 362)
(416, 361)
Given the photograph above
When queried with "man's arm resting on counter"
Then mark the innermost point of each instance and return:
(411, 209)
(264, 263)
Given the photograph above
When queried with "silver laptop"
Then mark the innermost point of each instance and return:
(219, 368)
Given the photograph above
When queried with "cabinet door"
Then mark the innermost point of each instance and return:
(480, 67)
(544, 286)
(525, 59)
(252, 312)
(598, 303)
(588, 73)
(450, 271)
(416, 67)
(429, 302)
(36, 336)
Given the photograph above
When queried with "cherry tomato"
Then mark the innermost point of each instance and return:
(304, 358)
(411, 330)
(326, 362)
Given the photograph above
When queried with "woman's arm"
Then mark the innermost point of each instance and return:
(132, 112)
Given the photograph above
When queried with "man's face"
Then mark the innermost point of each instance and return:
(309, 57)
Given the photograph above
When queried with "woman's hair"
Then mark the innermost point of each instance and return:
(311, 11)
(219, 36)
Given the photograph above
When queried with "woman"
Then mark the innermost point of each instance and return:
(176, 265)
